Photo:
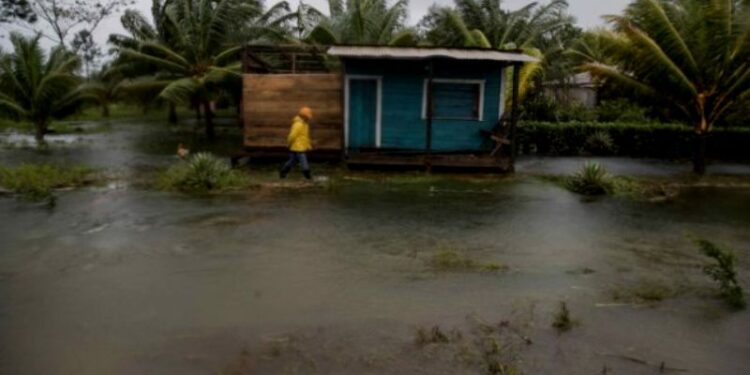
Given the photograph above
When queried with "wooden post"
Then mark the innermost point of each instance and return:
(514, 115)
(430, 112)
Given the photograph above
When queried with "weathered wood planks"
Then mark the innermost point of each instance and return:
(270, 102)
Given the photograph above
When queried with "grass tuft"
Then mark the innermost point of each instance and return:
(591, 180)
(202, 173)
(563, 322)
(35, 182)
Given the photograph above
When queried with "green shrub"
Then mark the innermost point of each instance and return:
(723, 272)
(576, 111)
(544, 108)
(37, 181)
(591, 180)
(202, 173)
(631, 139)
(600, 143)
(621, 110)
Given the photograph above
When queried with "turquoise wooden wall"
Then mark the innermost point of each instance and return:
(403, 86)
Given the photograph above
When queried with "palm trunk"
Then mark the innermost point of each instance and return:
(699, 156)
(197, 105)
(172, 114)
(210, 134)
(41, 130)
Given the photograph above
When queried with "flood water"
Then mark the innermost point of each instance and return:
(126, 280)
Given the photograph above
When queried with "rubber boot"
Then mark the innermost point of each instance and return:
(283, 172)
(307, 175)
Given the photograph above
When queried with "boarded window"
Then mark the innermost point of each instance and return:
(456, 100)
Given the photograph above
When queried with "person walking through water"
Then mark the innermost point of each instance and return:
(299, 144)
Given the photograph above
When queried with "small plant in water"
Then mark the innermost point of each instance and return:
(202, 173)
(451, 261)
(432, 336)
(36, 182)
(723, 272)
(591, 180)
(562, 320)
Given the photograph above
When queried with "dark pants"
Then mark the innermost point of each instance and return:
(294, 159)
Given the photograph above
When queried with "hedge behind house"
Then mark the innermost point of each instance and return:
(633, 140)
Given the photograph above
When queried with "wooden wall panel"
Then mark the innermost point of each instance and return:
(270, 102)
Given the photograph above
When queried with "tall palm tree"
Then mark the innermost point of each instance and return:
(198, 60)
(35, 87)
(364, 22)
(691, 54)
(534, 28)
(481, 22)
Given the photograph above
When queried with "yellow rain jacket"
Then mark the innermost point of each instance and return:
(299, 136)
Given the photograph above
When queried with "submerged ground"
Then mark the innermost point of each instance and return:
(341, 277)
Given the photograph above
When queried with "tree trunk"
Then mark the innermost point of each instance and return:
(240, 120)
(105, 111)
(210, 134)
(172, 114)
(699, 156)
(41, 130)
(197, 105)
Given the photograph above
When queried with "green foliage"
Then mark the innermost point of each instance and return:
(35, 87)
(621, 110)
(723, 272)
(194, 59)
(630, 139)
(363, 22)
(600, 143)
(562, 320)
(37, 181)
(689, 55)
(202, 173)
(591, 180)
(545, 108)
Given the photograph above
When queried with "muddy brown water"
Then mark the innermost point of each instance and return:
(125, 280)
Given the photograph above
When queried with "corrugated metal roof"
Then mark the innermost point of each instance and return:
(421, 53)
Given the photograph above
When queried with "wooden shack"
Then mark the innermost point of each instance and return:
(387, 106)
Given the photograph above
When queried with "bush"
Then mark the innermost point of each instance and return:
(724, 273)
(621, 110)
(544, 108)
(202, 173)
(36, 182)
(600, 143)
(633, 140)
(591, 180)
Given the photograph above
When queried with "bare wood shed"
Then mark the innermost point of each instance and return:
(278, 81)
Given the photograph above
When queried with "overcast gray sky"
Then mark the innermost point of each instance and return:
(587, 12)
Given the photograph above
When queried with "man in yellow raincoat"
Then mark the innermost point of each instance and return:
(299, 143)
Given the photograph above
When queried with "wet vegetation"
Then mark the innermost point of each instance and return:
(492, 348)
(202, 173)
(36, 182)
(724, 272)
(591, 180)
(562, 321)
(447, 260)
(645, 292)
